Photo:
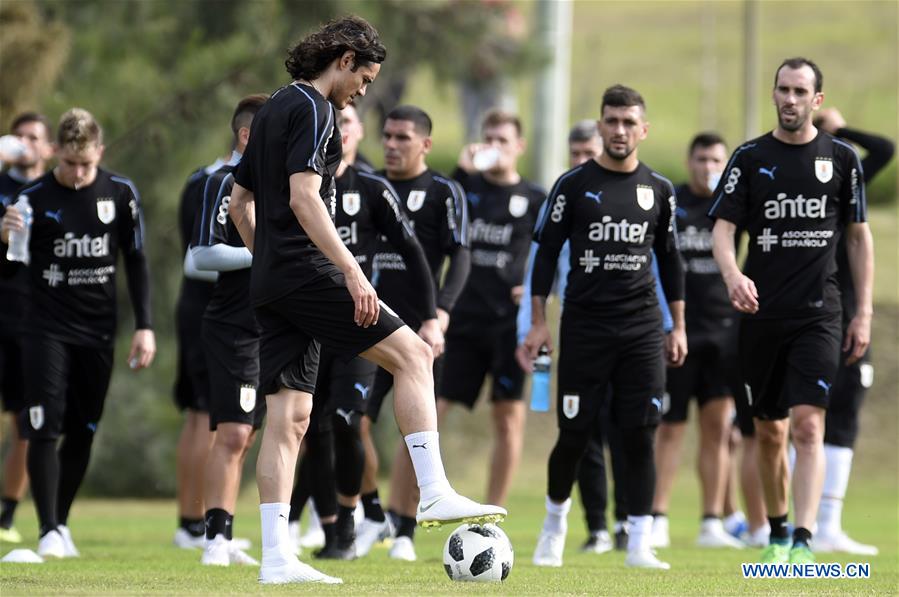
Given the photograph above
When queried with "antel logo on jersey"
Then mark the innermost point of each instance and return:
(694, 239)
(351, 203)
(106, 209)
(798, 207)
(415, 200)
(518, 206)
(646, 197)
(222, 216)
(823, 169)
(621, 231)
(491, 234)
(348, 234)
(85, 246)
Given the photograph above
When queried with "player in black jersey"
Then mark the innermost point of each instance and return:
(614, 212)
(853, 380)
(83, 217)
(307, 287)
(481, 339)
(436, 207)
(796, 191)
(33, 131)
(230, 341)
(709, 371)
(367, 211)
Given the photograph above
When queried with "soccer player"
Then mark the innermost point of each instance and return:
(33, 130)
(307, 287)
(796, 191)
(614, 212)
(709, 371)
(437, 208)
(853, 380)
(481, 339)
(230, 341)
(83, 217)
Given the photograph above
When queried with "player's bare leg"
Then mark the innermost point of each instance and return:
(15, 481)
(751, 485)
(669, 440)
(192, 452)
(714, 470)
(508, 438)
(807, 432)
(773, 465)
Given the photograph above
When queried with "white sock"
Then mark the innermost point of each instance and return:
(556, 520)
(639, 531)
(838, 465)
(274, 527)
(424, 450)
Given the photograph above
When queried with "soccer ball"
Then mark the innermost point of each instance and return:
(479, 553)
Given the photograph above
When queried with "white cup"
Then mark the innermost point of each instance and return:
(485, 159)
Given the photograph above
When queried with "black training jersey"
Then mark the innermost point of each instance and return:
(230, 301)
(294, 131)
(14, 286)
(195, 292)
(75, 240)
(794, 201)
(614, 221)
(437, 210)
(708, 308)
(501, 228)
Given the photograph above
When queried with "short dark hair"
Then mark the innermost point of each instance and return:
(799, 62)
(312, 56)
(619, 96)
(706, 139)
(27, 117)
(245, 111)
(582, 131)
(415, 115)
(498, 117)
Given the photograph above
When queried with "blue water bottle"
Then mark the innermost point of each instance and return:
(540, 382)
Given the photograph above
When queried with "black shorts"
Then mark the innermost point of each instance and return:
(706, 375)
(342, 387)
(743, 415)
(191, 390)
(232, 356)
(65, 386)
(12, 384)
(469, 358)
(846, 398)
(322, 313)
(624, 354)
(787, 362)
(384, 383)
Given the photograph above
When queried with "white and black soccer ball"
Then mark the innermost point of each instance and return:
(480, 553)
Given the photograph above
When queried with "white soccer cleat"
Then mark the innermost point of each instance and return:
(841, 542)
(241, 543)
(185, 540)
(644, 558)
(70, 550)
(293, 533)
(403, 549)
(600, 542)
(454, 508)
(51, 545)
(712, 534)
(659, 538)
(239, 557)
(314, 537)
(549, 549)
(757, 538)
(370, 532)
(216, 552)
(290, 570)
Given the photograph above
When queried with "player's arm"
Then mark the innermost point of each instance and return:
(879, 149)
(137, 274)
(313, 216)
(860, 250)
(242, 211)
(742, 291)
(671, 276)
(456, 245)
(192, 272)
(210, 250)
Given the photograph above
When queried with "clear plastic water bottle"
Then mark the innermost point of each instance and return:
(540, 382)
(19, 239)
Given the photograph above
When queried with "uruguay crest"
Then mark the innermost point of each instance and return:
(247, 398)
(106, 209)
(571, 405)
(36, 416)
(351, 203)
(823, 169)
(646, 197)
(518, 205)
(416, 200)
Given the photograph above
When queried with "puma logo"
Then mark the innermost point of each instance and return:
(423, 446)
(767, 172)
(362, 390)
(595, 196)
(54, 215)
(824, 385)
(657, 403)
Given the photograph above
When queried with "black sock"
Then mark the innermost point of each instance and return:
(43, 472)
(657, 513)
(346, 531)
(371, 504)
(330, 529)
(779, 532)
(196, 527)
(801, 537)
(708, 516)
(218, 522)
(7, 511)
(406, 526)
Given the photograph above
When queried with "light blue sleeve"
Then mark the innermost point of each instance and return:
(667, 321)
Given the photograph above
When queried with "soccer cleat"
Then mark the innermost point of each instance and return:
(70, 550)
(758, 537)
(621, 536)
(241, 543)
(10, 535)
(801, 554)
(314, 537)
(659, 536)
(216, 552)
(841, 542)
(51, 545)
(712, 534)
(336, 552)
(736, 523)
(550, 547)
(370, 532)
(644, 558)
(239, 557)
(402, 549)
(291, 570)
(293, 533)
(455, 508)
(185, 540)
(599, 542)
(776, 553)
